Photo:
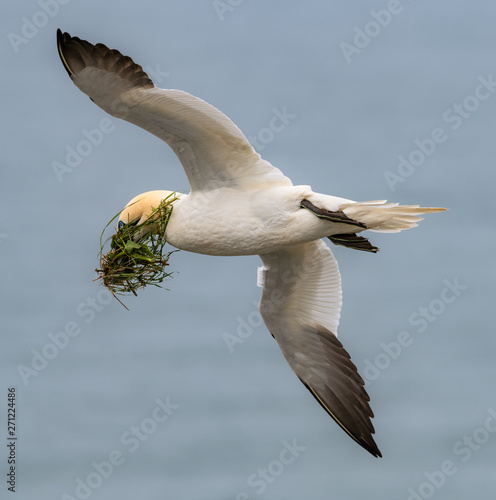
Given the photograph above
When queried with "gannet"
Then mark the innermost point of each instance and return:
(239, 204)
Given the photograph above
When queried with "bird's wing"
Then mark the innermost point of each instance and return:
(301, 303)
(211, 148)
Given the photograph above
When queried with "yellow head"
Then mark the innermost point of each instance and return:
(138, 210)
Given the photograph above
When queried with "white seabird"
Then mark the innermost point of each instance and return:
(240, 204)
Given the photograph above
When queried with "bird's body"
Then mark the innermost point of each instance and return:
(254, 222)
(240, 204)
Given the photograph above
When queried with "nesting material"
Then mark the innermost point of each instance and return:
(135, 261)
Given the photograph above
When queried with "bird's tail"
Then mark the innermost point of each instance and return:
(385, 217)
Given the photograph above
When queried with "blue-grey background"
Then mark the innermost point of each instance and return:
(351, 119)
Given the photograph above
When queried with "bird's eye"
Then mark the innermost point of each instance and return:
(122, 224)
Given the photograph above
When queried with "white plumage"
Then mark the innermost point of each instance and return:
(240, 204)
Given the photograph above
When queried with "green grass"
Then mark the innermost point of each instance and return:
(132, 262)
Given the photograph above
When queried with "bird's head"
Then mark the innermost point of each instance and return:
(138, 211)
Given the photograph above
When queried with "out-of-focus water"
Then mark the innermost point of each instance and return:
(150, 403)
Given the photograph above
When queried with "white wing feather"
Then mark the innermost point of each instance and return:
(302, 286)
(301, 303)
(211, 148)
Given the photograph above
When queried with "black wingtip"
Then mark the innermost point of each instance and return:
(341, 391)
(366, 442)
(62, 39)
(77, 54)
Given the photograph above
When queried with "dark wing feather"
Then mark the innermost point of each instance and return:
(342, 393)
(300, 305)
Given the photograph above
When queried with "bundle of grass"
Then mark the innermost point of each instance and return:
(136, 257)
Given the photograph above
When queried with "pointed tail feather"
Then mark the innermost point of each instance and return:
(386, 217)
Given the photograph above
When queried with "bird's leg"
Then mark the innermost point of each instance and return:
(338, 216)
(350, 240)
(353, 241)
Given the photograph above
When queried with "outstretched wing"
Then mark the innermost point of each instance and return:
(301, 303)
(211, 148)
